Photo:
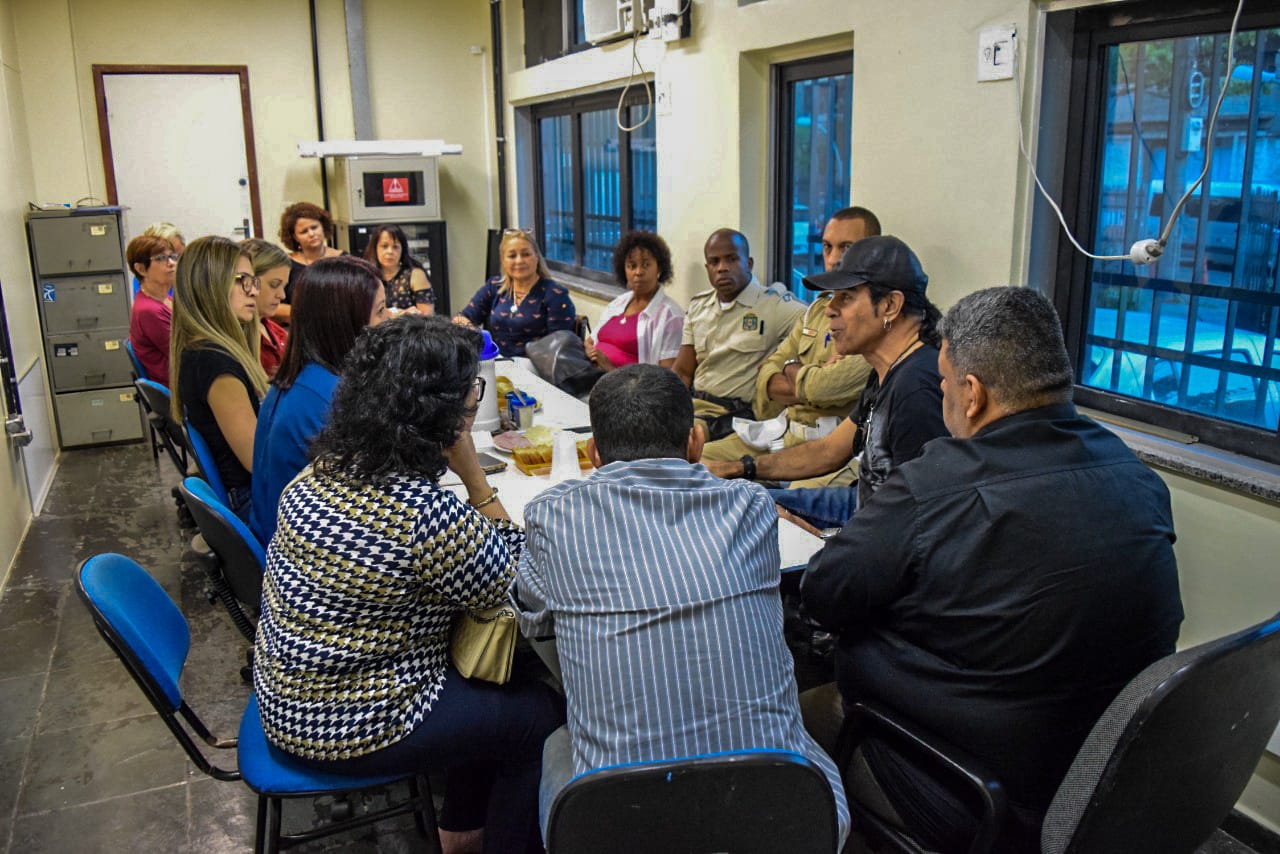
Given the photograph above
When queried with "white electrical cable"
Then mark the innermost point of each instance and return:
(1147, 250)
(648, 113)
(1222, 96)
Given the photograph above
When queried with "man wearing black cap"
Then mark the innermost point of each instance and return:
(879, 311)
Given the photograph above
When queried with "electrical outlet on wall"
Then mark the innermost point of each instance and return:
(996, 46)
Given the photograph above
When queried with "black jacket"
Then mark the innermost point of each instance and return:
(1001, 590)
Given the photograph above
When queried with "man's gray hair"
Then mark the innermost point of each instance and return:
(1011, 340)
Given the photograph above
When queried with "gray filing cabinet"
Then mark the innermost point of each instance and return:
(82, 289)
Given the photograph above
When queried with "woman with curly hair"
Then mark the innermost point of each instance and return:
(371, 563)
(337, 298)
(213, 357)
(402, 275)
(305, 230)
(644, 324)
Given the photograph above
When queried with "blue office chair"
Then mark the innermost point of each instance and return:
(235, 561)
(748, 802)
(205, 462)
(146, 630)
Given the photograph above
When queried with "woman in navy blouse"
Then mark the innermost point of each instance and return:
(523, 304)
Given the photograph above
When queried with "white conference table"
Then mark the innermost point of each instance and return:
(563, 411)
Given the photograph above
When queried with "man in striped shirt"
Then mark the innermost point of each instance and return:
(660, 584)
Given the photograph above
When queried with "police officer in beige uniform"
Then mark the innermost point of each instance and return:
(728, 331)
(805, 375)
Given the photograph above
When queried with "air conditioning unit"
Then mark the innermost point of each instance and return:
(609, 20)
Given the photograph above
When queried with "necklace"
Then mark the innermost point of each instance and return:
(903, 354)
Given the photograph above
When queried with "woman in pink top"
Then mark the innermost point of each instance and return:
(643, 324)
(155, 261)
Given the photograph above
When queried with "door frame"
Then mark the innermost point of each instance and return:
(104, 130)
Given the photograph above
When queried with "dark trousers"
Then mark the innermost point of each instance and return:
(489, 737)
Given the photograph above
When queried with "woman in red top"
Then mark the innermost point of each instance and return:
(155, 261)
(271, 266)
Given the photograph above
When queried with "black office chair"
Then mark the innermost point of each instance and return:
(1160, 770)
(1170, 756)
(235, 560)
(165, 432)
(745, 802)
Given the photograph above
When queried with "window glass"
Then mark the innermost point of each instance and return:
(601, 188)
(644, 172)
(595, 180)
(1197, 330)
(555, 180)
(816, 104)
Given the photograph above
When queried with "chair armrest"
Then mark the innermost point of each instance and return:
(862, 719)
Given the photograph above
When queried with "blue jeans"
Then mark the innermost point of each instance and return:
(239, 498)
(490, 739)
(822, 506)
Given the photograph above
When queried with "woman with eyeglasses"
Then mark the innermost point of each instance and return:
(336, 299)
(305, 230)
(154, 260)
(271, 266)
(523, 304)
(370, 565)
(214, 356)
(403, 277)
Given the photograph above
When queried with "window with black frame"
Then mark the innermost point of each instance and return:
(814, 106)
(595, 180)
(1190, 342)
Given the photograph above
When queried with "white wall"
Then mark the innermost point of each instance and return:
(424, 82)
(16, 188)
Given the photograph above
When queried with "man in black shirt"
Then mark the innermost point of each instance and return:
(1000, 589)
(878, 310)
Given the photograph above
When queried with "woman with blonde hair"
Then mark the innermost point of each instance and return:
(271, 266)
(522, 304)
(218, 380)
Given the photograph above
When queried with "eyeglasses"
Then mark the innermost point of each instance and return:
(249, 283)
(168, 256)
(479, 386)
(523, 232)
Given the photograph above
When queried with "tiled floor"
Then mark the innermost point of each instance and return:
(85, 765)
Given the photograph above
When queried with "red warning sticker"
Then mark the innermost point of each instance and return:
(395, 190)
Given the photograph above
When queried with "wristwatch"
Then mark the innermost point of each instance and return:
(748, 466)
(790, 362)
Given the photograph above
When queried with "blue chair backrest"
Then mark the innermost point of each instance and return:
(140, 371)
(140, 621)
(204, 459)
(242, 556)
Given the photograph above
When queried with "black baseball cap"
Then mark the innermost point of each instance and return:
(883, 260)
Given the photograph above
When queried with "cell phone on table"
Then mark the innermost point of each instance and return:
(489, 464)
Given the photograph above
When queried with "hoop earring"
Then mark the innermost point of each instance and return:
(888, 324)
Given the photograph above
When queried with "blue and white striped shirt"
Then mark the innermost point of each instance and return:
(660, 583)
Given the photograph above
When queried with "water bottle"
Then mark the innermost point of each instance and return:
(487, 413)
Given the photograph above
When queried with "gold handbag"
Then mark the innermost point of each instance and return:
(484, 642)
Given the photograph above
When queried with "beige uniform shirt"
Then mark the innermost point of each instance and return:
(730, 343)
(824, 389)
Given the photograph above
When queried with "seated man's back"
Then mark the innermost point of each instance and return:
(1004, 586)
(660, 582)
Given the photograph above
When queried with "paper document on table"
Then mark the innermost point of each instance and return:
(796, 545)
